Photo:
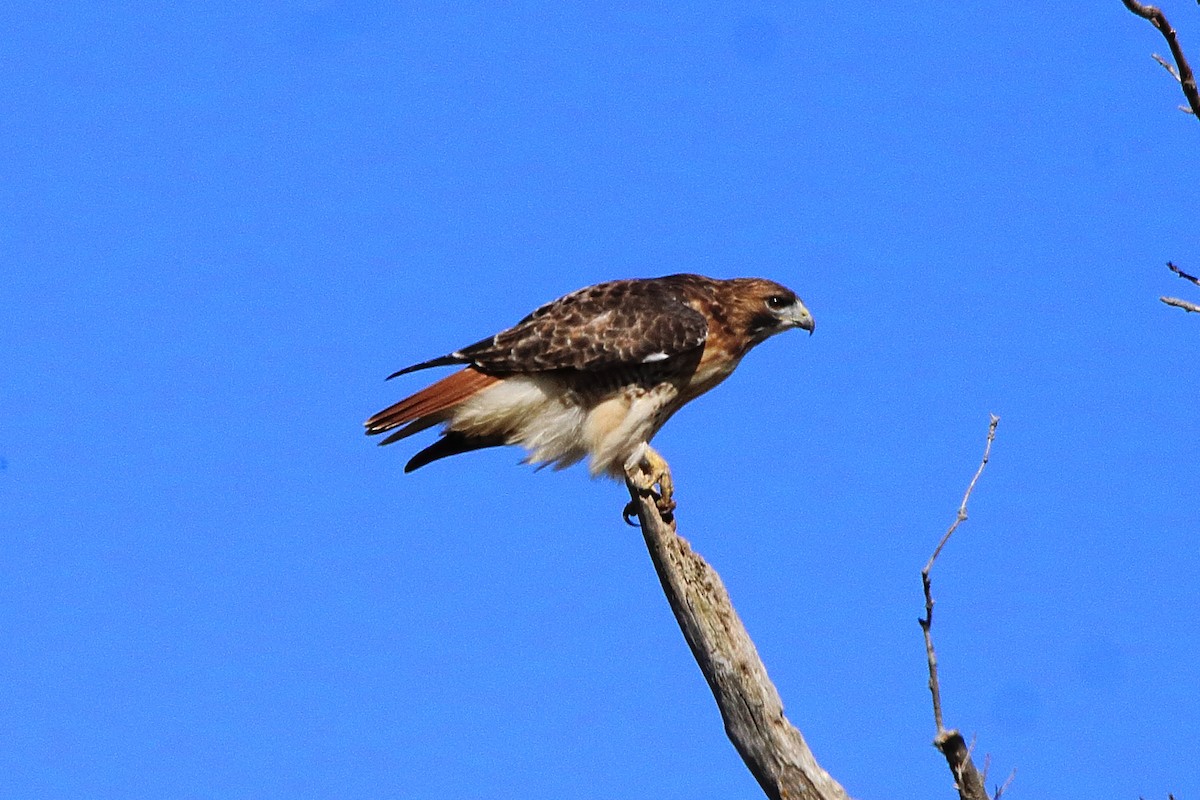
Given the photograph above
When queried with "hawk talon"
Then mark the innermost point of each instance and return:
(650, 470)
(666, 507)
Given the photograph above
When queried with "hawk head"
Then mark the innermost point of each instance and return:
(768, 308)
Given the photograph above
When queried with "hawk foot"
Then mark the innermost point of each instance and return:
(646, 470)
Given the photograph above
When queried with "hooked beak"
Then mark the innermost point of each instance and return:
(800, 317)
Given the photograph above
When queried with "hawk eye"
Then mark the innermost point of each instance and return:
(778, 301)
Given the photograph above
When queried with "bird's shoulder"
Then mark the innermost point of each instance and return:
(616, 323)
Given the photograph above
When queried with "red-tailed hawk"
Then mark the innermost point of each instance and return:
(595, 373)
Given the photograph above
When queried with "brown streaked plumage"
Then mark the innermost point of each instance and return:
(596, 373)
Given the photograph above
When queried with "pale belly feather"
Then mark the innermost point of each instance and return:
(558, 427)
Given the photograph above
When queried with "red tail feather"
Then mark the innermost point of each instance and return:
(428, 404)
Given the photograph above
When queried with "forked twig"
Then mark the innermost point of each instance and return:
(1187, 81)
(969, 781)
(1002, 788)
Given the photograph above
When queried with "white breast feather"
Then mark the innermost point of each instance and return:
(643, 416)
(529, 410)
(537, 412)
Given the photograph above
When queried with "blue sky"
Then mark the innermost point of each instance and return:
(224, 224)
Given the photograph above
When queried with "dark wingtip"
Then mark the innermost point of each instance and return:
(451, 444)
(443, 361)
(432, 453)
(395, 437)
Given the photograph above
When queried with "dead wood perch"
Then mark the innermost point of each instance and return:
(772, 748)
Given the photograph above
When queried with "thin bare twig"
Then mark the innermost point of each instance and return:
(1167, 65)
(1001, 789)
(1187, 81)
(950, 743)
(962, 508)
(927, 622)
(1184, 304)
(1171, 266)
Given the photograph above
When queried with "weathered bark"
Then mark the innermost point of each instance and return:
(772, 748)
(967, 779)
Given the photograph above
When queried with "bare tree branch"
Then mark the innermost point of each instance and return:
(967, 779)
(1177, 302)
(772, 747)
(1184, 304)
(1192, 278)
(1187, 81)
